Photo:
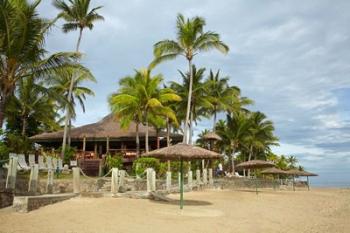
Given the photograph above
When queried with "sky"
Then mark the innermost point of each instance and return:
(291, 57)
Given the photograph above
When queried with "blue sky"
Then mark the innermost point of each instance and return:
(290, 57)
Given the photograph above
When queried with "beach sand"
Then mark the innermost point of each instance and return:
(319, 210)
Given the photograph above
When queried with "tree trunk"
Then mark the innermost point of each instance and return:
(188, 102)
(250, 157)
(69, 130)
(233, 162)
(167, 132)
(24, 125)
(191, 129)
(146, 135)
(69, 101)
(157, 137)
(2, 110)
(214, 120)
(137, 140)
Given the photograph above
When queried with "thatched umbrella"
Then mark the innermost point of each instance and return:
(255, 164)
(295, 172)
(274, 171)
(212, 136)
(182, 152)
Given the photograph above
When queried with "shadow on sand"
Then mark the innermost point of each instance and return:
(186, 202)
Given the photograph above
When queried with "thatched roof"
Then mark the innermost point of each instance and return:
(273, 170)
(296, 172)
(255, 164)
(182, 151)
(212, 136)
(109, 126)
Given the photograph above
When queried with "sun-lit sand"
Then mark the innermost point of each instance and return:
(320, 210)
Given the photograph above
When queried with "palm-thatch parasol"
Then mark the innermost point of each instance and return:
(182, 152)
(274, 171)
(295, 172)
(212, 136)
(255, 164)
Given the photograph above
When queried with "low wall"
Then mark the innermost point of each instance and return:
(242, 182)
(25, 204)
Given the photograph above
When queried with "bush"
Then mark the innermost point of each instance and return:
(69, 154)
(114, 162)
(141, 164)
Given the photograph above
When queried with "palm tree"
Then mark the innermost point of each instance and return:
(219, 93)
(32, 108)
(78, 17)
(200, 100)
(234, 133)
(153, 99)
(191, 40)
(126, 105)
(292, 162)
(22, 39)
(61, 84)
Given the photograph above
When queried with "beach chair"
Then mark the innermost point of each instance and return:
(31, 160)
(22, 162)
(54, 163)
(42, 165)
(49, 162)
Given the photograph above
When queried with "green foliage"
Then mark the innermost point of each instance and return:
(18, 143)
(69, 154)
(115, 161)
(141, 164)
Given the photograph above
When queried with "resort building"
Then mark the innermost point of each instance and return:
(106, 136)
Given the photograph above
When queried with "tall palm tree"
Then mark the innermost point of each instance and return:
(78, 17)
(219, 93)
(234, 133)
(154, 99)
(191, 40)
(61, 84)
(126, 105)
(22, 39)
(200, 100)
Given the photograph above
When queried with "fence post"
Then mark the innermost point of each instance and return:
(198, 176)
(121, 178)
(76, 180)
(12, 173)
(179, 179)
(211, 181)
(49, 187)
(190, 179)
(153, 186)
(168, 181)
(115, 181)
(33, 179)
(205, 176)
(149, 179)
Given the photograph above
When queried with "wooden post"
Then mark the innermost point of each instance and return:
(95, 149)
(84, 144)
(169, 166)
(115, 181)
(293, 183)
(308, 184)
(150, 185)
(107, 145)
(33, 179)
(49, 186)
(76, 180)
(12, 173)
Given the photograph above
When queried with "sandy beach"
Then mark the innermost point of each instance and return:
(319, 210)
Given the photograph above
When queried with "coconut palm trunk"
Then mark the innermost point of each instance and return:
(2, 109)
(70, 96)
(188, 110)
(137, 140)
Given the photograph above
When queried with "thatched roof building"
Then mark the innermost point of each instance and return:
(106, 135)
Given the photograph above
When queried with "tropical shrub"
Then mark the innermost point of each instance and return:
(113, 161)
(69, 154)
(141, 164)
